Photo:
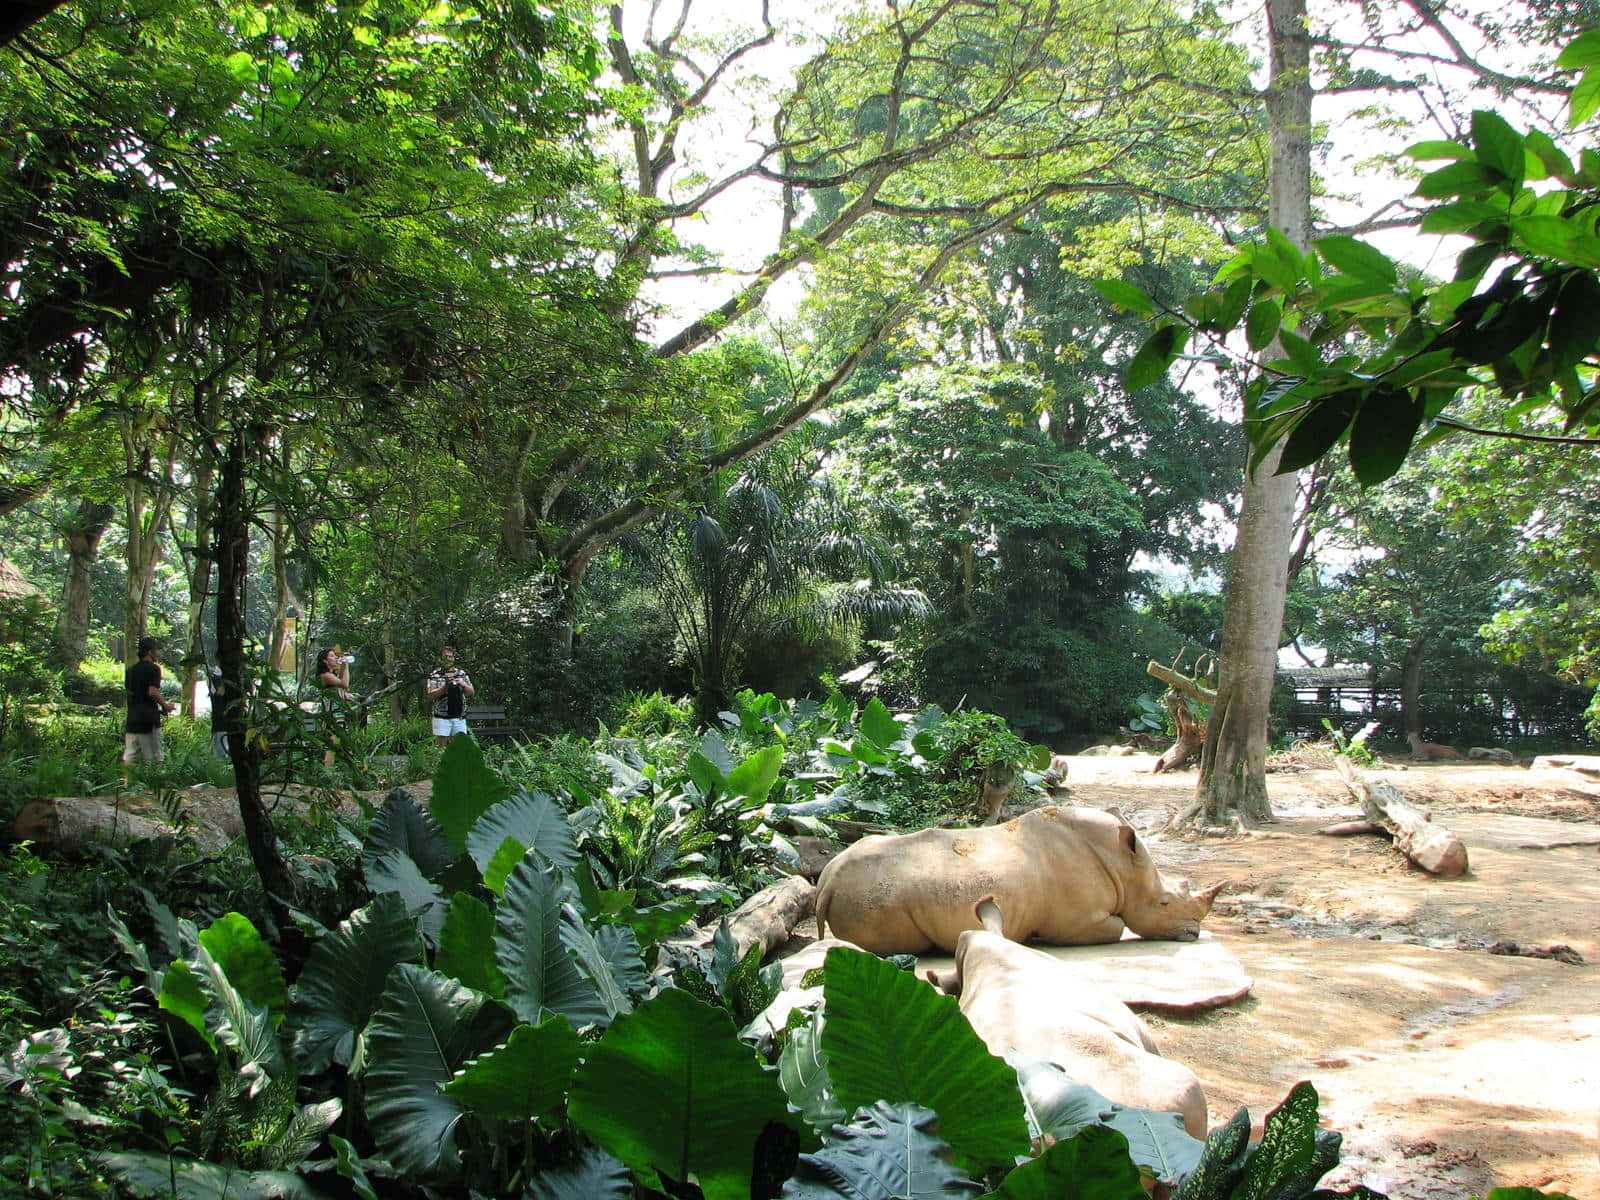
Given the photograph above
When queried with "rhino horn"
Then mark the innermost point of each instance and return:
(1208, 895)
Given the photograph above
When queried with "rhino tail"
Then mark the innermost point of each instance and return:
(823, 896)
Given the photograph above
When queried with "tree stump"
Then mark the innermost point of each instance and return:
(1432, 847)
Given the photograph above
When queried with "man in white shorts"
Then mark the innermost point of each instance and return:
(449, 688)
(141, 731)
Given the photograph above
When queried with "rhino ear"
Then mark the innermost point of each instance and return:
(1130, 840)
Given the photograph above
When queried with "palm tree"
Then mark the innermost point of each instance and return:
(771, 549)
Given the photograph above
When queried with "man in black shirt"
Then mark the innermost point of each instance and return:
(141, 732)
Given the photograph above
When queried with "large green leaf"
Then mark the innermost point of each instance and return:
(526, 1078)
(403, 824)
(596, 966)
(1292, 1154)
(541, 973)
(889, 1036)
(888, 1152)
(670, 1088)
(198, 990)
(344, 978)
(1092, 1165)
(878, 724)
(1357, 259)
(534, 821)
(1381, 437)
(248, 962)
(1221, 1162)
(1126, 295)
(416, 1040)
(466, 945)
(164, 1178)
(595, 1176)
(1153, 358)
(1058, 1106)
(394, 872)
(752, 779)
(803, 1071)
(464, 788)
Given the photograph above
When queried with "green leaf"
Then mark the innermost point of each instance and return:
(1318, 431)
(182, 997)
(541, 974)
(889, 1036)
(1288, 1150)
(803, 1071)
(464, 788)
(1582, 51)
(402, 824)
(704, 773)
(534, 821)
(670, 1088)
(523, 1080)
(1155, 356)
(595, 1176)
(879, 726)
(344, 978)
(1585, 99)
(1498, 145)
(162, 1178)
(1058, 1106)
(1266, 317)
(1221, 1162)
(1427, 150)
(1091, 1165)
(714, 748)
(241, 66)
(1574, 333)
(248, 962)
(1458, 179)
(1551, 157)
(887, 1152)
(1126, 295)
(1357, 259)
(752, 779)
(417, 1039)
(602, 974)
(393, 872)
(1381, 437)
(466, 946)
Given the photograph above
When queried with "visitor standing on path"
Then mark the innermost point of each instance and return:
(333, 677)
(141, 730)
(449, 688)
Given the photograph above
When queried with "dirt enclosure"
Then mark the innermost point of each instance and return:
(1449, 1069)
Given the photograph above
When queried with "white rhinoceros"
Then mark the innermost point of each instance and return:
(1022, 1000)
(1063, 875)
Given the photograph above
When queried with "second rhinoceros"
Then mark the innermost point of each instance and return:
(1066, 876)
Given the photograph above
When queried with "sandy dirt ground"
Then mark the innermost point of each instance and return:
(1450, 1070)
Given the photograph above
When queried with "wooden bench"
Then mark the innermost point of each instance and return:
(489, 723)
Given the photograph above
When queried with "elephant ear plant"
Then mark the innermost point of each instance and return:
(487, 1025)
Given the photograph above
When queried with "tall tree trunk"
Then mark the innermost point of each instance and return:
(1233, 777)
(200, 563)
(148, 493)
(1411, 688)
(82, 537)
(233, 555)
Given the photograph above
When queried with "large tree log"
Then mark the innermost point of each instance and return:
(769, 917)
(1432, 847)
(71, 823)
(1191, 733)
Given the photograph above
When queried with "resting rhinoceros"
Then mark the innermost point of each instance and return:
(1023, 1000)
(1063, 875)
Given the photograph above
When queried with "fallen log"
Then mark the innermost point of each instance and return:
(1351, 828)
(767, 918)
(70, 823)
(1432, 847)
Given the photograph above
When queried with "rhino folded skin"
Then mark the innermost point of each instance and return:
(1064, 875)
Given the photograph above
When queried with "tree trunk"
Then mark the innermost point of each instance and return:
(148, 507)
(195, 675)
(233, 564)
(82, 537)
(1411, 689)
(1233, 767)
